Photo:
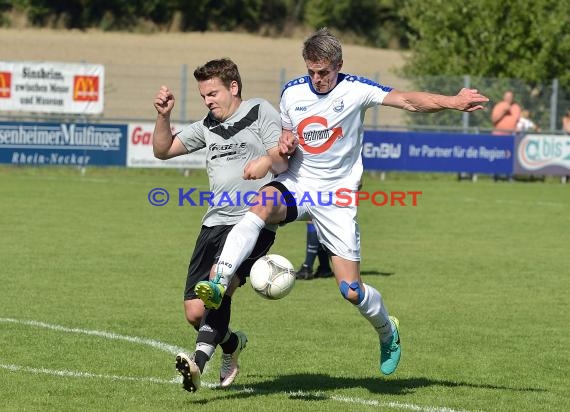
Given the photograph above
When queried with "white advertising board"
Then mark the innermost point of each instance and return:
(51, 87)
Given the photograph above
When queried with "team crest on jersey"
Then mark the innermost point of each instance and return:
(338, 105)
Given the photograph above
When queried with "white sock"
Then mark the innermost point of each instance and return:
(373, 309)
(239, 244)
(206, 348)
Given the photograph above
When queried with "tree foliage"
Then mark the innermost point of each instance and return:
(374, 22)
(521, 45)
(522, 39)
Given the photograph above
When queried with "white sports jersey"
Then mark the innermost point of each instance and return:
(329, 126)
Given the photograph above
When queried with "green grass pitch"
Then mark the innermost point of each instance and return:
(91, 312)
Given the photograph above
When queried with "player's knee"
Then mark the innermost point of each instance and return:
(193, 316)
(351, 292)
(193, 320)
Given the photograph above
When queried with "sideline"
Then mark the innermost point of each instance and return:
(107, 335)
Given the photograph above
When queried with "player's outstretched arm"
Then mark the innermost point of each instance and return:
(467, 100)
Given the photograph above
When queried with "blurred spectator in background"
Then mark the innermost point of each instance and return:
(525, 124)
(566, 122)
(505, 116)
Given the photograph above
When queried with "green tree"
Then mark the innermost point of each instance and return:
(524, 40)
(377, 22)
(106, 15)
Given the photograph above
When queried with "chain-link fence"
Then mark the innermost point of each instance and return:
(130, 89)
(546, 103)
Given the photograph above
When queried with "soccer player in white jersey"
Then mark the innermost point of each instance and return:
(241, 137)
(322, 117)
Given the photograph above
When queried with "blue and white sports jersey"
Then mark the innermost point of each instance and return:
(329, 126)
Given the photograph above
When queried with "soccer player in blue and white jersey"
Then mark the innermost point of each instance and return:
(322, 118)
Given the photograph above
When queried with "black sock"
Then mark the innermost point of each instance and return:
(200, 358)
(217, 322)
(312, 246)
(231, 344)
(324, 263)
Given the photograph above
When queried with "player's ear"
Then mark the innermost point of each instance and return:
(340, 65)
(234, 88)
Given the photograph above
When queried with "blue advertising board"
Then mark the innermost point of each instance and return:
(437, 152)
(72, 144)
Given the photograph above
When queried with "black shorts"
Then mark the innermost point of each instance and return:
(207, 251)
(289, 199)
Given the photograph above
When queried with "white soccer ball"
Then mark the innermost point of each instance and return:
(272, 276)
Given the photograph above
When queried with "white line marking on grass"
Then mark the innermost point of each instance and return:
(177, 380)
(107, 335)
(75, 374)
(64, 373)
(373, 402)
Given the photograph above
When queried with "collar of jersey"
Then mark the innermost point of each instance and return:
(339, 79)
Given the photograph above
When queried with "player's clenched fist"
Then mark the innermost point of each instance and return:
(287, 142)
(164, 101)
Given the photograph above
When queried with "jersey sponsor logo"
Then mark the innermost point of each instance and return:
(301, 109)
(86, 88)
(5, 85)
(225, 150)
(318, 134)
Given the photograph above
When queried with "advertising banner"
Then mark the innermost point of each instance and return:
(56, 144)
(543, 155)
(50, 87)
(140, 154)
(437, 152)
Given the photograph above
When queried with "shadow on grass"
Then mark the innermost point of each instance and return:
(315, 387)
(376, 272)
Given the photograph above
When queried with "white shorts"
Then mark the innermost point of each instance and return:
(334, 216)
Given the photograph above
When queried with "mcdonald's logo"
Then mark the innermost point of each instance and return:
(86, 88)
(5, 85)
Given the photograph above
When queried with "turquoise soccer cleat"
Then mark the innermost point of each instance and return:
(390, 351)
(210, 292)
